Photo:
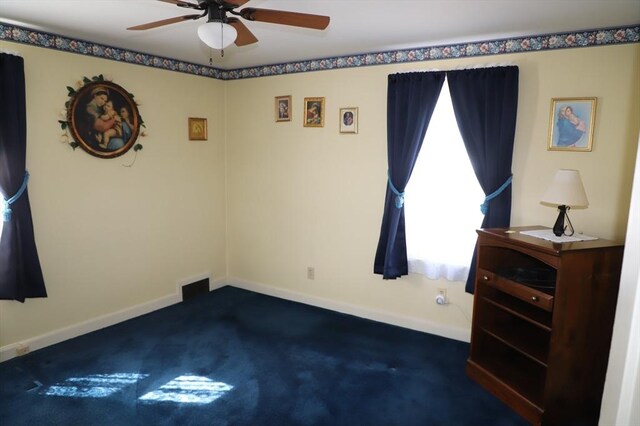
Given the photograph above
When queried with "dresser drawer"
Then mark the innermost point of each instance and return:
(525, 293)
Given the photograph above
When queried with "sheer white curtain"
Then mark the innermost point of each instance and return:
(442, 201)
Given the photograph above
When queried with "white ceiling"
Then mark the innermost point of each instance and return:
(357, 26)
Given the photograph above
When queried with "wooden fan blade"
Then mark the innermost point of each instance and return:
(244, 35)
(305, 20)
(184, 4)
(164, 22)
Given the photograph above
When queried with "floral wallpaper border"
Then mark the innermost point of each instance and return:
(599, 37)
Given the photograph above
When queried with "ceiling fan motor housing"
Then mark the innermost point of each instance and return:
(216, 9)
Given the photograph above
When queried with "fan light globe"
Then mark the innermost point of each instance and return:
(217, 35)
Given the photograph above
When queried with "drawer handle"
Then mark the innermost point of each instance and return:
(486, 278)
(535, 298)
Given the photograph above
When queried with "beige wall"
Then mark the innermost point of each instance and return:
(111, 237)
(303, 197)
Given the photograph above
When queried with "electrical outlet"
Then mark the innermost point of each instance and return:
(311, 273)
(22, 349)
(441, 297)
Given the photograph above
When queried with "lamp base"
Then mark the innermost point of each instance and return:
(559, 228)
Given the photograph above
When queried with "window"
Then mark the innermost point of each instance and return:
(442, 201)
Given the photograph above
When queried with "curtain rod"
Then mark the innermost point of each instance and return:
(493, 65)
(461, 67)
(10, 52)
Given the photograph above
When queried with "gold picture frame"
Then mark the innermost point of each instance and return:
(313, 112)
(197, 129)
(349, 120)
(571, 124)
(104, 119)
(283, 108)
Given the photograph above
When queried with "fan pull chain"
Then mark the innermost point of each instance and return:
(221, 38)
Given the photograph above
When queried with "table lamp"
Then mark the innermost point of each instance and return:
(566, 191)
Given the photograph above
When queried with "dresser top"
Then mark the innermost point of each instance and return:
(514, 235)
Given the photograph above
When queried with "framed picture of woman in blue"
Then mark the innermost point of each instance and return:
(571, 124)
(349, 120)
(104, 119)
(283, 108)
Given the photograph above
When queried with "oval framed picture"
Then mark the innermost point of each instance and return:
(104, 119)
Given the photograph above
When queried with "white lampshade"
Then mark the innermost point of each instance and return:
(566, 189)
(217, 35)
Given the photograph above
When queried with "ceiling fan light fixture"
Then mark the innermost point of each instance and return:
(217, 35)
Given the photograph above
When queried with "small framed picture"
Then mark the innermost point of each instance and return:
(313, 112)
(349, 120)
(283, 108)
(197, 129)
(571, 123)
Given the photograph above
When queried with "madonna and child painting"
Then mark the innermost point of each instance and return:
(571, 124)
(104, 119)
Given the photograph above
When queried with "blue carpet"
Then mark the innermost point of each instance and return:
(234, 357)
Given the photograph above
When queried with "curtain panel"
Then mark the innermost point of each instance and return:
(411, 99)
(485, 103)
(20, 272)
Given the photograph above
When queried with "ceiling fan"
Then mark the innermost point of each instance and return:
(220, 30)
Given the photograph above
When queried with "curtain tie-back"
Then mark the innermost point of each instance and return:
(6, 204)
(484, 207)
(399, 195)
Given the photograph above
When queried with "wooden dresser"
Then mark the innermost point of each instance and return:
(542, 323)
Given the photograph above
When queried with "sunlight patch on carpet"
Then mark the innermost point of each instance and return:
(94, 385)
(188, 390)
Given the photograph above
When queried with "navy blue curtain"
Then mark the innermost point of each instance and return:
(411, 99)
(485, 102)
(20, 272)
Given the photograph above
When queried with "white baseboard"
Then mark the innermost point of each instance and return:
(9, 351)
(456, 333)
